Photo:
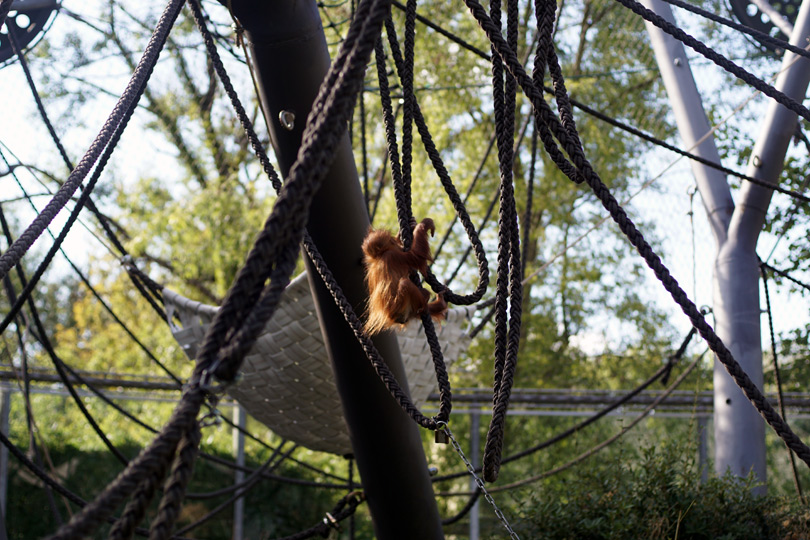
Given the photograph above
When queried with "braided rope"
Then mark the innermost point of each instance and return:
(175, 488)
(621, 125)
(780, 398)
(74, 214)
(509, 289)
(762, 37)
(720, 60)
(122, 111)
(637, 240)
(148, 463)
(382, 369)
(449, 188)
(244, 337)
(275, 251)
(405, 204)
(135, 510)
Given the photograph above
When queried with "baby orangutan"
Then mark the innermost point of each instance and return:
(393, 298)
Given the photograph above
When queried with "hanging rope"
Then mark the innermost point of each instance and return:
(546, 116)
(447, 183)
(780, 398)
(509, 289)
(619, 124)
(120, 114)
(717, 58)
(373, 355)
(249, 301)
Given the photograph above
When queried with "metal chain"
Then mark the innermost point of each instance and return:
(442, 426)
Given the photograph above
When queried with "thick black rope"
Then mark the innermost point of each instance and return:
(447, 183)
(74, 215)
(760, 36)
(120, 113)
(787, 276)
(404, 204)
(621, 125)
(637, 240)
(241, 489)
(780, 398)
(509, 288)
(175, 488)
(374, 356)
(719, 59)
(273, 246)
(275, 250)
(400, 174)
(135, 510)
(391, 143)
(86, 200)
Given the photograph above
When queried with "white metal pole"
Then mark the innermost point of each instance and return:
(738, 429)
(475, 443)
(690, 118)
(239, 419)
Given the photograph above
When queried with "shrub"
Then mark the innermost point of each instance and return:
(660, 496)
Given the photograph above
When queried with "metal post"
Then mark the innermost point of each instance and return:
(690, 118)
(290, 59)
(703, 450)
(738, 429)
(475, 444)
(239, 419)
(5, 410)
(737, 306)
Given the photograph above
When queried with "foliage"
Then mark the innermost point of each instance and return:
(660, 496)
(272, 508)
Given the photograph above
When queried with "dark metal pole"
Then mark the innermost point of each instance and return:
(290, 60)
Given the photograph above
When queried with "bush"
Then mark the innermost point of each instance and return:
(661, 496)
(272, 509)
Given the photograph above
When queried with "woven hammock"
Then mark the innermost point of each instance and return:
(286, 379)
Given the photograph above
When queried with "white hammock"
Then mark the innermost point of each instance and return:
(287, 381)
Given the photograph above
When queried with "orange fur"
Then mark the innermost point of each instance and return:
(393, 298)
